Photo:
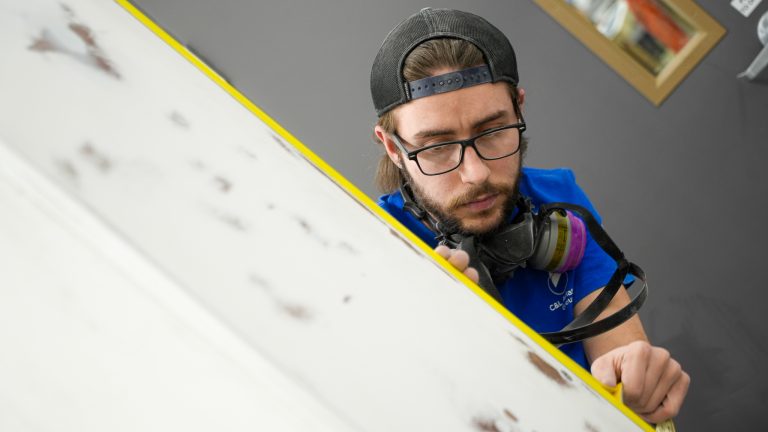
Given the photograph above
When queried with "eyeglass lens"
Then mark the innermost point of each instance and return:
(443, 158)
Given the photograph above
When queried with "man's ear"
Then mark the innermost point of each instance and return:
(521, 97)
(389, 145)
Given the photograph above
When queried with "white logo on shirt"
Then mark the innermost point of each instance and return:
(557, 284)
(563, 303)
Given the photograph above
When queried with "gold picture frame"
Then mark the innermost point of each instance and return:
(656, 85)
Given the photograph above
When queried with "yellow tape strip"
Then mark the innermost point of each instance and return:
(615, 391)
(373, 207)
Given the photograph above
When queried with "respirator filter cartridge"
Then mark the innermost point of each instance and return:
(562, 240)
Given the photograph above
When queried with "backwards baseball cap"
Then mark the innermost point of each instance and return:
(390, 89)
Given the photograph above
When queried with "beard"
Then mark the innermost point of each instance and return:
(445, 213)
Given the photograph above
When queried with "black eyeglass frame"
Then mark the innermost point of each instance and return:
(469, 142)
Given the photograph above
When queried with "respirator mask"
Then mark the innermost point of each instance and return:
(553, 239)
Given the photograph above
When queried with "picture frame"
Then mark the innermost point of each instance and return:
(655, 81)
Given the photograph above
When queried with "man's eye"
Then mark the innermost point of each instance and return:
(437, 150)
(430, 142)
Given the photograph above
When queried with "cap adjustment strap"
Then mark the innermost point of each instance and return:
(448, 82)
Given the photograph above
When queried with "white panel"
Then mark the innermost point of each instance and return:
(312, 281)
(95, 338)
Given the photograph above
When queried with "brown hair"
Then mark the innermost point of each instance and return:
(421, 63)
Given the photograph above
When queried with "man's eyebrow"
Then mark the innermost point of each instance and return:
(442, 132)
(489, 118)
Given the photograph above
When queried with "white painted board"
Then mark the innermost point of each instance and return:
(94, 337)
(311, 280)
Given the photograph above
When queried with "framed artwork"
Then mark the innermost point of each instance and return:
(653, 44)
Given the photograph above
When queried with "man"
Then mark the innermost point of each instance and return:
(450, 78)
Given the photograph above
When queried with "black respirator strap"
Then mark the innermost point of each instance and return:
(409, 205)
(608, 323)
(582, 326)
(601, 302)
(469, 245)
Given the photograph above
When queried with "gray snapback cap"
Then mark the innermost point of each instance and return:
(388, 86)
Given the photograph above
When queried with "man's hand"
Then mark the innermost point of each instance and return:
(654, 383)
(460, 260)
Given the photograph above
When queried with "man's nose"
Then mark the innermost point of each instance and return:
(473, 169)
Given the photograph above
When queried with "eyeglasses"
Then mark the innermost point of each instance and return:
(493, 144)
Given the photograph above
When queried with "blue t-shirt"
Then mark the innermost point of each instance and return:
(543, 300)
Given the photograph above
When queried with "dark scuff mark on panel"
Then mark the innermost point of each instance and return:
(347, 298)
(271, 206)
(405, 242)
(547, 369)
(519, 339)
(232, 221)
(248, 153)
(66, 168)
(304, 225)
(293, 310)
(310, 231)
(259, 281)
(84, 33)
(290, 149)
(590, 427)
(511, 416)
(566, 375)
(348, 247)
(178, 119)
(222, 184)
(101, 162)
(42, 44)
(94, 56)
(485, 424)
(296, 311)
(94, 50)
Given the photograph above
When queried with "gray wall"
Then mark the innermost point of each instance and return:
(682, 187)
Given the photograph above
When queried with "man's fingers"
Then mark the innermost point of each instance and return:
(667, 378)
(670, 407)
(603, 368)
(633, 370)
(459, 259)
(444, 251)
(472, 274)
(655, 383)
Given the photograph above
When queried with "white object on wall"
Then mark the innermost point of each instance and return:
(745, 7)
(759, 63)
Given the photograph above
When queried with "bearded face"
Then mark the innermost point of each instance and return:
(477, 196)
(486, 219)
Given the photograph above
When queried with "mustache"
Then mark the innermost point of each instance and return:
(478, 191)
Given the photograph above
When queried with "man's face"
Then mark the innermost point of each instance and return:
(477, 195)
